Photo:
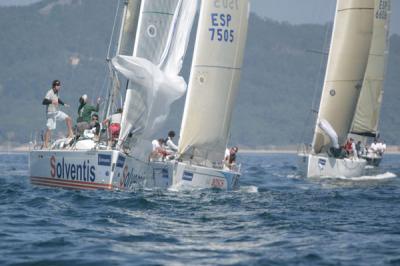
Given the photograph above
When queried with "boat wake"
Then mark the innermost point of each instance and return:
(385, 176)
(248, 189)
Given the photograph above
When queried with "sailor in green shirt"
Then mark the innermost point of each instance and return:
(85, 112)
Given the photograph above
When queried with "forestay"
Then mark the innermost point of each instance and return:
(214, 78)
(348, 56)
(366, 119)
(162, 37)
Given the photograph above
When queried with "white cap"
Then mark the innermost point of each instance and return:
(84, 97)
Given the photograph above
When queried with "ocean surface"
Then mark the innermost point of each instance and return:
(276, 218)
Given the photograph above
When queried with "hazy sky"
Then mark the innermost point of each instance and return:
(309, 11)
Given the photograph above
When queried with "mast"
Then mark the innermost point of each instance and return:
(348, 56)
(126, 41)
(366, 119)
(214, 80)
(128, 29)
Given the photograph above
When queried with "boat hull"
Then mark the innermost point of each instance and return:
(113, 170)
(312, 166)
(373, 160)
(87, 169)
(182, 175)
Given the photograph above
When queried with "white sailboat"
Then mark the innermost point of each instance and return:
(366, 120)
(153, 40)
(214, 80)
(347, 62)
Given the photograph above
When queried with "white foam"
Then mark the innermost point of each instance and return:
(387, 175)
(249, 189)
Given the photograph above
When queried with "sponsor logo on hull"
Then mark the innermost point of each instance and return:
(217, 183)
(82, 171)
(120, 161)
(321, 163)
(129, 178)
(188, 176)
(104, 159)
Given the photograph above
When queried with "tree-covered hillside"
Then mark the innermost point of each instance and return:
(68, 40)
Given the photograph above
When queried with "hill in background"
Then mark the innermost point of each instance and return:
(68, 40)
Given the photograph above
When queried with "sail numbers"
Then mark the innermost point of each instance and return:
(220, 27)
(231, 4)
(381, 13)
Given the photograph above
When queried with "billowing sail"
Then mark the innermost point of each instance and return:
(162, 37)
(348, 56)
(369, 104)
(214, 79)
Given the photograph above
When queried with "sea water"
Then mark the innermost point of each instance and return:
(276, 218)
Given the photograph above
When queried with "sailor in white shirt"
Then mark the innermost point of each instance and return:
(170, 145)
(374, 147)
(53, 114)
(158, 153)
(353, 147)
(380, 147)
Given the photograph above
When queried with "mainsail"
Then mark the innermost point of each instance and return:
(214, 79)
(348, 56)
(366, 119)
(162, 37)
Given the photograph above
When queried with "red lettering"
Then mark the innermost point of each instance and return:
(217, 183)
(124, 177)
(53, 166)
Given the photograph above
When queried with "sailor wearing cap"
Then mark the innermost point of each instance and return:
(53, 114)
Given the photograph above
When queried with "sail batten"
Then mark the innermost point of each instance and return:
(347, 61)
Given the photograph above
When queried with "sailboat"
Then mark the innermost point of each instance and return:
(152, 42)
(213, 84)
(347, 62)
(366, 120)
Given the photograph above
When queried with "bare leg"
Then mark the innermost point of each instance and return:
(68, 121)
(47, 138)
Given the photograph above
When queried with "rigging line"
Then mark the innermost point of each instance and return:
(72, 68)
(107, 86)
(314, 107)
(113, 29)
(328, 30)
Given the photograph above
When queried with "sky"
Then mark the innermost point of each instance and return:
(309, 11)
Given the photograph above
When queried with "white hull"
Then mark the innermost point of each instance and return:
(182, 175)
(91, 169)
(311, 165)
(111, 170)
(373, 159)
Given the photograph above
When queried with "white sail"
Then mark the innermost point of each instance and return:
(348, 56)
(214, 79)
(369, 104)
(162, 38)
